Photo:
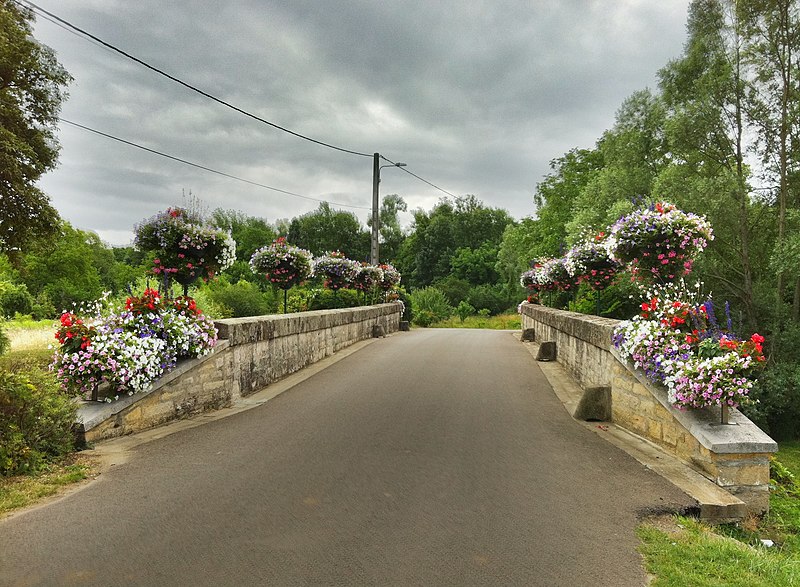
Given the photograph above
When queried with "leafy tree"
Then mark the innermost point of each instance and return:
(249, 232)
(476, 266)
(326, 229)
(426, 255)
(31, 92)
(391, 233)
(65, 272)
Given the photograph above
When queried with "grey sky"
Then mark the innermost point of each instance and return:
(475, 96)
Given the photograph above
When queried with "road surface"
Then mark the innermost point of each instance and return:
(435, 457)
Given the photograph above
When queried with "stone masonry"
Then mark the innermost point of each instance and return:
(735, 456)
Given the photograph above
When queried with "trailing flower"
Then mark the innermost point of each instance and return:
(659, 243)
(390, 279)
(284, 265)
(129, 348)
(679, 345)
(337, 271)
(368, 277)
(186, 249)
(555, 275)
(590, 262)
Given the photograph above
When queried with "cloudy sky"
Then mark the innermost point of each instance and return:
(476, 96)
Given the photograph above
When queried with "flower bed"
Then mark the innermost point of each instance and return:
(127, 349)
(680, 345)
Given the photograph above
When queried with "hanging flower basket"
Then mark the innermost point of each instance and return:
(591, 263)
(390, 279)
(368, 278)
(338, 271)
(659, 243)
(284, 265)
(555, 276)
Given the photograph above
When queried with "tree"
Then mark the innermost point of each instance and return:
(32, 86)
(392, 235)
(249, 232)
(326, 229)
(705, 94)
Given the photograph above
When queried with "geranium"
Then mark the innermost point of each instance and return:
(74, 334)
(337, 270)
(186, 248)
(659, 243)
(284, 265)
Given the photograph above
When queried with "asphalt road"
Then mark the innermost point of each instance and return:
(435, 457)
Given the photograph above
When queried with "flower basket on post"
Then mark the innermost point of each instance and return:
(390, 279)
(368, 279)
(659, 243)
(336, 270)
(186, 249)
(284, 265)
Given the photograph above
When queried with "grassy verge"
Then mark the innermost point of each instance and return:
(25, 490)
(26, 334)
(682, 552)
(501, 322)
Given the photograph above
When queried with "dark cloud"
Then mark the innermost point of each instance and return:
(477, 97)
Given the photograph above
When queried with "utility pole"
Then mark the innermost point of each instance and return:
(376, 180)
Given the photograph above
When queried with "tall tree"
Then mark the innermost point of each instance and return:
(326, 229)
(705, 91)
(391, 232)
(31, 92)
(773, 50)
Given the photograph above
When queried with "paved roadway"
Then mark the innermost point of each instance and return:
(435, 457)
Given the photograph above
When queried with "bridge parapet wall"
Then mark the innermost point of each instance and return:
(735, 456)
(251, 354)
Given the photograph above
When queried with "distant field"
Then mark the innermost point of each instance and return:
(501, 322)
(29, 335)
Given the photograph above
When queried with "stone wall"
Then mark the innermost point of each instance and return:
(735, 456)
(251, 354)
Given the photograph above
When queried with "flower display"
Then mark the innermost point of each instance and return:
(590, 262)
(534, 279)
(129, 348)
(659, 243)
(337, 270)
(284, 265)
(555, 275)
(680, 345)
(186, 249)
(368, 278)
(390, 279)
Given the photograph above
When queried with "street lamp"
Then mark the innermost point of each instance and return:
(376, 180)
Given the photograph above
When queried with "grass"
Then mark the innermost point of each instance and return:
(28, 334)
(26, 490)
(686, 552)
(500, 322)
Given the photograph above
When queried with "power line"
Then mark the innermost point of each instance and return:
(185, 84)
(418, 177)
(96, 40)
(204, 168)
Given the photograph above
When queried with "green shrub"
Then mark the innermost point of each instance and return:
(453, 288)
(494, 298)
(242, 298)
(430, 305)
(14, 299)
(36, 421)
(43, 308)
(326, 299)
(464, 310)
(5, 342)
(408, 312)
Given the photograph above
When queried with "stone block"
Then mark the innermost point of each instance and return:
(595, 405)
(547, 351)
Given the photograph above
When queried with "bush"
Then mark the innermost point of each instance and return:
(464, 310)
(453, 288)
(430, 305)
(35, 422)
(242, 298)
(5, 343)
(43, 308)
(326, 299)
(14, 299)
(494, 298)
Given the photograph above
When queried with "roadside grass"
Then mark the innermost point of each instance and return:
(499, 322)
(28, 334)
(25, 490)
(687, 552)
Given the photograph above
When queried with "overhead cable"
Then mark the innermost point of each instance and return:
(204, 168)
(185, 84)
